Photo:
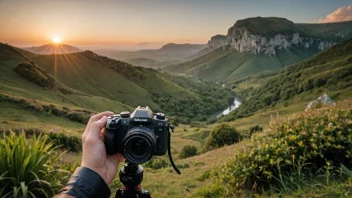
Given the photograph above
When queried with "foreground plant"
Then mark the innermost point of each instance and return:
(296, 149)
(27, 167)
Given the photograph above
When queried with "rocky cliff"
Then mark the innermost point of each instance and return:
(266, 35)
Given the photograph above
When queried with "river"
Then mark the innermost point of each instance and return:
(236, 103)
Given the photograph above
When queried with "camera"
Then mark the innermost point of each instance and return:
(138, 136)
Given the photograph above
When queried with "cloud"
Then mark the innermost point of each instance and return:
(341, 14)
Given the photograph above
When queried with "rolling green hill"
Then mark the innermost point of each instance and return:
(329, 72)
(224, 65)
(259, 44)
(86, 82)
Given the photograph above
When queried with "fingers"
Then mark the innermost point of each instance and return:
(93, 119)
(96, 128)
(117, 158)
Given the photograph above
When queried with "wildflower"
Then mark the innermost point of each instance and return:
(300, 143)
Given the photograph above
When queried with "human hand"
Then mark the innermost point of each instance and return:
(94, 154)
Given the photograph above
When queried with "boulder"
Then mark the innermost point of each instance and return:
(324, 99)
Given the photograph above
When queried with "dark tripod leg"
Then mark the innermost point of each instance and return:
(131, 176)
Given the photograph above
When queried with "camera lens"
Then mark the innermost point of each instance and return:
(139, 144)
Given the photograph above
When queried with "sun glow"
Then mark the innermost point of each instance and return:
(56, 40)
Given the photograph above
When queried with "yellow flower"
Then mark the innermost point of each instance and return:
(271, 161)
(292, 137)
(300, 143)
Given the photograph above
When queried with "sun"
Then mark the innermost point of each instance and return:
(56, 40)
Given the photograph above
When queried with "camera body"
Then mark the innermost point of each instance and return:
(138, 136)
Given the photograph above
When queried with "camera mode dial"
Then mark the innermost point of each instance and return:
(160, 116)
(125, 114)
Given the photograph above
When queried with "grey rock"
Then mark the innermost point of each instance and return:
(324, 99)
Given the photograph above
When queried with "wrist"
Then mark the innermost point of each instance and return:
(86, 181)
(96, 170)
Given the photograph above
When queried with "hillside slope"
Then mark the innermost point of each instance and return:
(327, 72)
(260, 44)
(92, 82)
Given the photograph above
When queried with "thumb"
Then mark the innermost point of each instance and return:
(96, 127)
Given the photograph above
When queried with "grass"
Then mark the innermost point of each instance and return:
(28, 167)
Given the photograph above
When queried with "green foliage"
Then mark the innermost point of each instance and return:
(204, 176)
(304, 145)
(255, 129)
(188, 151)
(157, 163)
(57, 139)
(221, 135)
(212, 98)
(33, 73)
(210, 191)
(69, 142)
(27, 167)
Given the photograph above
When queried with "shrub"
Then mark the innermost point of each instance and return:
(312, 141)
(222, 135)
(213, 190)
(157, 163)
(71, 143)
(188, 151)
(27, 167)
(319, 82)
(255, 129)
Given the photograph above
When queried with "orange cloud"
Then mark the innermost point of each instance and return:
(341, 14)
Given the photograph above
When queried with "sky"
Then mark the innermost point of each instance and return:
(127, 24)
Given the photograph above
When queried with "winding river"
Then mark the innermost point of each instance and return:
(236, 103)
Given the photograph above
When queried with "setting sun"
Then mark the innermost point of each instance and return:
(56, 40)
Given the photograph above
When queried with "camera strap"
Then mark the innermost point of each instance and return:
(169, 151)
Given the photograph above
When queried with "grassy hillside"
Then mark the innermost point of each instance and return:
(327, 72)
(94, 83)
(223, 64)
(331, 31)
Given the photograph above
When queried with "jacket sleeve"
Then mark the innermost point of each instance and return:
(85, 183)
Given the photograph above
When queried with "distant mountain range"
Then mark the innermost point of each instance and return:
(168, 54)
(52, 48)
(259, 44)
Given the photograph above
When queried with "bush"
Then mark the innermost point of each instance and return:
(157, 163)
(222, 135)
(188, 151)
(210, 191)
(255, 129)
(71, 143)
(27, 167)
(319, 82)
(308, 142)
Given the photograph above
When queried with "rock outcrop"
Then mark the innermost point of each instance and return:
(324, 99)
(266, 35)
